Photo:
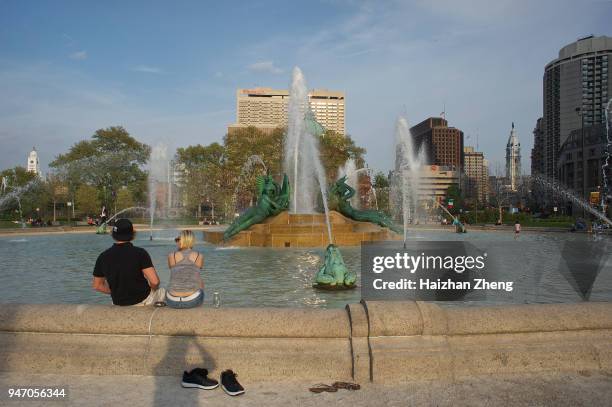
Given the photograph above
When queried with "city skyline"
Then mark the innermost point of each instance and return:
(66, 74)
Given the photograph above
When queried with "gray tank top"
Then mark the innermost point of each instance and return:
(184, 275)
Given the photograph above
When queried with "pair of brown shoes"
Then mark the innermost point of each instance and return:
(321, 387)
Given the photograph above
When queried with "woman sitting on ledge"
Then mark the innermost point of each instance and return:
(186, 287)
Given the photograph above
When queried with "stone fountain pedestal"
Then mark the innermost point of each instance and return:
(305, 230)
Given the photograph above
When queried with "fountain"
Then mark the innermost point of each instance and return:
(302, 160)
(157, 174)
(569, 196)
(100, 230)
(15, 195)
(267, 224)
(408, 164)
(606, 165)
(247, 169)
(352, 179)
(349, 169)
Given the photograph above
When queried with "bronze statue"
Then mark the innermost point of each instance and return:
(344, 193)
(272, 200)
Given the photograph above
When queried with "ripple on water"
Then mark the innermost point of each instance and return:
(58, 269)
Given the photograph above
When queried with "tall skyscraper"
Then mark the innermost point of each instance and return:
(576, 90)
(476, 174)
(443, 144)
(266, 108)
(33, 163)
(537, 159)
(513, 160)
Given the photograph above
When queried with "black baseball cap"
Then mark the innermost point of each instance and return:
(123, 230)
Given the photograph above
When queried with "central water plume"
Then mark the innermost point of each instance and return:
(157, 174)
(302, 162)
(408, 164)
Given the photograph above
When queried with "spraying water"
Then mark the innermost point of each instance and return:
(408, 164)
(297, 162)
(302, 161)
(606, 165)
(569, 196)
(132, 208)
(247, 169)
(15, 196)
(350, 170)
(157, 174)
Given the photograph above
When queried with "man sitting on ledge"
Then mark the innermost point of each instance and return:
(126, 272)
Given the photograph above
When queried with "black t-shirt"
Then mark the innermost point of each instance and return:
(122, 267)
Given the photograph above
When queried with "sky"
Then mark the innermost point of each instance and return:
(168, 71)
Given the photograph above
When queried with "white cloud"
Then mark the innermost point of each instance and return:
(147, 69)
(265, 66)
(78, 55)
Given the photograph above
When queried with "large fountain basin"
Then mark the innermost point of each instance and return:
(305, 230)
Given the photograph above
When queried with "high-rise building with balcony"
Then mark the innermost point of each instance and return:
(267, 108)
(576, 88)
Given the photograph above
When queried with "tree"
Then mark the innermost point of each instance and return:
(17, 177)
(206, 176)
(243, 143)
(454, 193)
(110, 160)
(381, 186)
(124, 199)
(335, 150)
(87, 201)
(26, 189)
(500, 194)
(214, 174)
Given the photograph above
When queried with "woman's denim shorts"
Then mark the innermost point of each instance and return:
(192, 303)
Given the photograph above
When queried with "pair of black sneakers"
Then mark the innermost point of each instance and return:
(198, 378)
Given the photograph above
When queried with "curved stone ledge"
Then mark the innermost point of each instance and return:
(529, 318)
(252, 323)
(64, 318)
(406, 318)
(379, 341)
(205, 322)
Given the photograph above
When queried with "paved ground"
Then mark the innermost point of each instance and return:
(132, 391)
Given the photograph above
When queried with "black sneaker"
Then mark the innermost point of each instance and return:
(230, 385)
(197, 378)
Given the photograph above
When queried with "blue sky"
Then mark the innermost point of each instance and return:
(168, 71)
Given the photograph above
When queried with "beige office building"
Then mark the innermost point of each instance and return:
(434, 181)
(477, 174)
(267, 108)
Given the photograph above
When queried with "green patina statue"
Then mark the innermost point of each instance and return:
(344, 193)
(334, 275)
(272, 200)
(312, 125)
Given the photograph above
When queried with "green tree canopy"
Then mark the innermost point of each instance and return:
(125, 199)
(109, 161)
(335, 150)
(17, 177)
(381, 180)
(205, 174)
(87, 201)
